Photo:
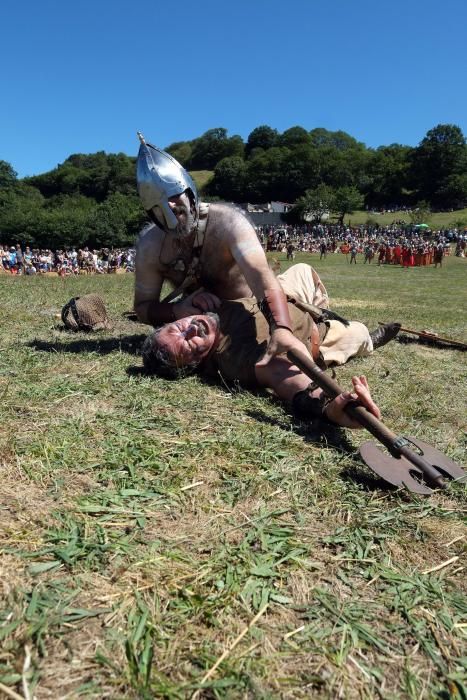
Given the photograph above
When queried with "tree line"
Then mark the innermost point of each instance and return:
(92, 199)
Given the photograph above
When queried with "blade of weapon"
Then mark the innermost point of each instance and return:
(431, 336)
(401, 472)
(329, 315)
(398, 472)
(317, 313)
(439, 460)
(397, 446)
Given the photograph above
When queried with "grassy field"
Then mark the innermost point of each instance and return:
(145, 524)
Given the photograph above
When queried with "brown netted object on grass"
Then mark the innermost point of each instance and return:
(86, 313)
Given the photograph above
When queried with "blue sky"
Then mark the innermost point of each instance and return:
(84, 76)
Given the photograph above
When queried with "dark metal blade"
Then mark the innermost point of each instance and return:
(396, 470)
(439, 460)
(329, 315)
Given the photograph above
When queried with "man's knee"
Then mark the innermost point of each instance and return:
(300, 272)
(343, 342)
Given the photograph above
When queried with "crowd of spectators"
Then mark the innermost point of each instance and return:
(32, 261)
(394, 244)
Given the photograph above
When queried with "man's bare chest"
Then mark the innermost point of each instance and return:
(175, 259)
(215, 261)
(209, 263)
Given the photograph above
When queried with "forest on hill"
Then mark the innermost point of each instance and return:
(91, 198)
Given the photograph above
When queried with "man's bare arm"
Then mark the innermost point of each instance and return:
(248, 253)
(251, 259)
(149, 280)
(148, 285)
(287, 380)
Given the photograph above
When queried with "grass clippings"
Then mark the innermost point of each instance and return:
(144, 524)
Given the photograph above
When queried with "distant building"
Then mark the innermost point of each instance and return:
(267, 207)
(281, 207)
(266, 214)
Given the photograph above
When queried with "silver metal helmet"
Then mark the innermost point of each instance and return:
(158, 177)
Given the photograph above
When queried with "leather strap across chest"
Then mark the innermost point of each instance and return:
(193, 273)
(314, 340)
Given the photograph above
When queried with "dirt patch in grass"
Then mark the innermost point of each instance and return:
(22, 502)
(12, 573)
(82, 408)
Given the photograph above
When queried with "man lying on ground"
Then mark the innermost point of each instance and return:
(231, 342)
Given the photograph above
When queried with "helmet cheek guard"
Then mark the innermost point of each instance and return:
(159, 177)
(162, 215)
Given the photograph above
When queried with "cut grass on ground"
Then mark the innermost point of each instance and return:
(145, 523)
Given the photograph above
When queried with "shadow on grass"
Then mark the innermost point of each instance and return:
(322, 434)
(318, 433)
(366, 479)
(130, 344)
(315, 432)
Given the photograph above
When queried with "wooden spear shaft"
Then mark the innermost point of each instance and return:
(430, 336)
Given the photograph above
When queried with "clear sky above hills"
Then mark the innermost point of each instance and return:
(84, 76)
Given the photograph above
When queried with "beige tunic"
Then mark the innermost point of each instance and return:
(244, 335)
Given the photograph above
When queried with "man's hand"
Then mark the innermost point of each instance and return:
(280, 342)
(197, 303)
(335, 410)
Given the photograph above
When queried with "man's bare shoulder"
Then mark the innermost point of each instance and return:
(149, 242)
(229, 217)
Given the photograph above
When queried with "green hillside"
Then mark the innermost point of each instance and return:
(201, 178)
(436, 220)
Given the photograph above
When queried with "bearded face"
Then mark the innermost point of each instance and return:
(185, 212)
(187, 341)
